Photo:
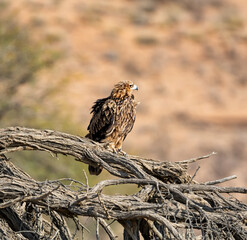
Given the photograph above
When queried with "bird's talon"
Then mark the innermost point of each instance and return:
(114, 150)
(120, 151)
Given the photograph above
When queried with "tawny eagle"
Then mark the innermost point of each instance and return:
(113, 118)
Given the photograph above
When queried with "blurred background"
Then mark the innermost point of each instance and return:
(188, 58)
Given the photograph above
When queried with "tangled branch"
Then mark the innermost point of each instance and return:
(169, 204)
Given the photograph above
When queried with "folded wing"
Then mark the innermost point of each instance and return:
(103, 119)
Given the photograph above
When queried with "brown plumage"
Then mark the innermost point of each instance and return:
(113, 118)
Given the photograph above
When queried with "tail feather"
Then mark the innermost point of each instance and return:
(94, 170)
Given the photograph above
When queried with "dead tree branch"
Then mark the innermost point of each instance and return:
(169, 205)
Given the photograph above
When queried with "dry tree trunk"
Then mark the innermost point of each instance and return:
(170, 204)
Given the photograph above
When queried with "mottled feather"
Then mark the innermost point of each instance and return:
(113, 118)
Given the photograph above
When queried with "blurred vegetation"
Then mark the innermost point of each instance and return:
(21, 59)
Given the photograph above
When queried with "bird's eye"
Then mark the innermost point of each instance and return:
(131, 85)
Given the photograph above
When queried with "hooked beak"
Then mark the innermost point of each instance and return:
(134, 87)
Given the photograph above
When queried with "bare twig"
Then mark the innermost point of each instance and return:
(194, 174)
(97, 229)
(87, 184)
(107, 229)
(221, 180)
(192, 160)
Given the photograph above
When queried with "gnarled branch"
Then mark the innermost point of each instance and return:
(169, 204)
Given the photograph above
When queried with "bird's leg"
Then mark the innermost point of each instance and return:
(119, 147)
(110, 147)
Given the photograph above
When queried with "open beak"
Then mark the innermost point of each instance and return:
(134, 87)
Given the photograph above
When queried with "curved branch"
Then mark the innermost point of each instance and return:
(85, 150)
(168, 197)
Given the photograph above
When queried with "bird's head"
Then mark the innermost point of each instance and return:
(123, 89)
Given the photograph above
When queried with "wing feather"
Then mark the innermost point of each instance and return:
(129, 115)
(103, 119)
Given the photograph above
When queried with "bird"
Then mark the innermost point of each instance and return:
(113, 118)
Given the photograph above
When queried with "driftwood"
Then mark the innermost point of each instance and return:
(169, 204)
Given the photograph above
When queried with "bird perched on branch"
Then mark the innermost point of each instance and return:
(113, 118)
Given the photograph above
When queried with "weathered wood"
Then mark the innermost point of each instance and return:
(169, 204)
(85, 150)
